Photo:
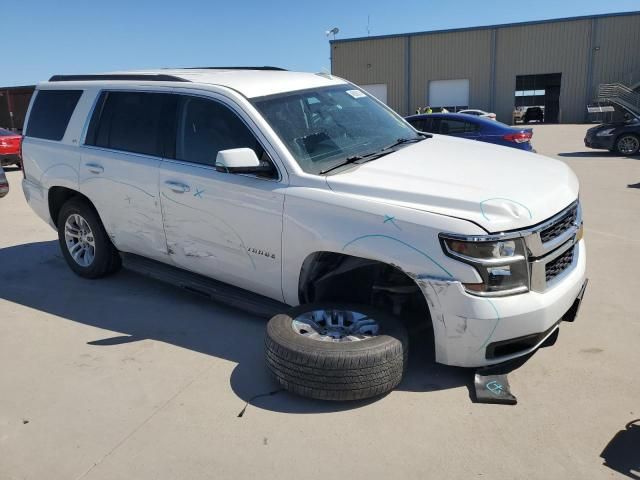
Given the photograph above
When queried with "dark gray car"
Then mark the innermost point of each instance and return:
(620, 137)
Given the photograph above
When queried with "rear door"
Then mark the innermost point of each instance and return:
(221, 225)
(120, 164)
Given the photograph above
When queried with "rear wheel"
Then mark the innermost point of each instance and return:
(628, 144)
(336, 352)
(84, 242)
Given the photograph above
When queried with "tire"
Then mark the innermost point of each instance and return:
(337, 370)
(628, 144)
(106, 259)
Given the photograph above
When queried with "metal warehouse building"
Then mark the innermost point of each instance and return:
(558, 64)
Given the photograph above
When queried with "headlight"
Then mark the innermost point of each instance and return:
(604, 133)
(502, 264)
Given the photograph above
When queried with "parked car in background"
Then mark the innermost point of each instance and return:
(620, 137)
(4, 183)
(533, 113)
(9, 148)
(518, 113)
(473, 128)
(528, 114)
(479, 113)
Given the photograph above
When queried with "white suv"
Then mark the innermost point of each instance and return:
(303, 190)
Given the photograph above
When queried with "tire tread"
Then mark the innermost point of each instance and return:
(336, 371)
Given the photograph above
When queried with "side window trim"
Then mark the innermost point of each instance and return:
(100, 100)
(93, 119)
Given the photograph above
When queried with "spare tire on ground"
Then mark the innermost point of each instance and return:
(330, 351)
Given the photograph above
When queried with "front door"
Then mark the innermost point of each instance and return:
(225, 226)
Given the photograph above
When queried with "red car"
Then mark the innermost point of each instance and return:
(10, 148)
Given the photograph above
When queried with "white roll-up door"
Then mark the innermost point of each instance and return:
(449, 93)
(378, 90)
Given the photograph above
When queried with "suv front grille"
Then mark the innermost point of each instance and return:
(560, 226)
(558, 265)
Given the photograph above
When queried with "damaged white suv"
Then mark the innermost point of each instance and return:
(271, 189)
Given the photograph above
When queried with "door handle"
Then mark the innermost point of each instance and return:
(95, 168)
(177, 187)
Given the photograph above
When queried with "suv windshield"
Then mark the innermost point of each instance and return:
(324, 127)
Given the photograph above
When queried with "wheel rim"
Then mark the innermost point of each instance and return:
(335, 326)
(628, 145)
(79, 239)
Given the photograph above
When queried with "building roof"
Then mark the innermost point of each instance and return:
(19, 87)
(487, 27)
(251, 82)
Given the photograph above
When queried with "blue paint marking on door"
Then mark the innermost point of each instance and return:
(391, 219)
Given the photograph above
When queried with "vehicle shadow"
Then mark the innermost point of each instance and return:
(137, 308)
(622, 453)
(589, 154)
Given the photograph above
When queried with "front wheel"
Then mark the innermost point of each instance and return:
(337, 352)
(628, 144)
(84, 242)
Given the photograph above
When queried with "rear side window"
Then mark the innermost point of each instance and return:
(51, 112)
(132, 122)
(422, 124)
(471, 127)
(451, 127)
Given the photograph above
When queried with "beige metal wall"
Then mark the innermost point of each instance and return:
(374, 61)
(617, 58)
(449, 56)
(586, 52)
(539, 49)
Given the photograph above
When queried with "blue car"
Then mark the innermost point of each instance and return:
(473, 128)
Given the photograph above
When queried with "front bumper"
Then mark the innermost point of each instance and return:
(599, 142)
(466, 325)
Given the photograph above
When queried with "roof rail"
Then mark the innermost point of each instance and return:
(236, 68)
(152, 77)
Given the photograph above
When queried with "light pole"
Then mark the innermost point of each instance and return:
(334, 31)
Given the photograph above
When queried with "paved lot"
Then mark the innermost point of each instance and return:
(127, 378)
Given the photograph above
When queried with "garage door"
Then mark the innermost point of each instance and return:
(449, 93)
(378, 90)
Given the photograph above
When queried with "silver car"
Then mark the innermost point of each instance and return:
(4, 183)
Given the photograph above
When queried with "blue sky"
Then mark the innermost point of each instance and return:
(42, 38)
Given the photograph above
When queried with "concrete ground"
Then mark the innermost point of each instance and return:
(127, 378)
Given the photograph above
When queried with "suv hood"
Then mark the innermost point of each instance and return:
(498, 188)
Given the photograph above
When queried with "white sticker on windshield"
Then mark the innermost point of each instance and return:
(356, 93)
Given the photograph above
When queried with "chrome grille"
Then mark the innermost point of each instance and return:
(558, 265)
(559, 226)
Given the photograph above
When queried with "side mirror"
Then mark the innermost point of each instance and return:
(240, 160)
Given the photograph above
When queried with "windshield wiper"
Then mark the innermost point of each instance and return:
(402, 141)
(353, 159)
(377, 154)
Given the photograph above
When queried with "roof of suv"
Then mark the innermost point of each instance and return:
(251, 82)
